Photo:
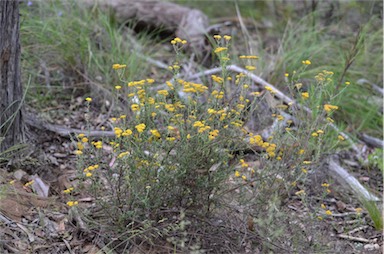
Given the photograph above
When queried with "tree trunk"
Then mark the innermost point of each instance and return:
(11, 92)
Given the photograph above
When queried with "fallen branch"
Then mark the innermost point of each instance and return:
(348, 180)
(62, 130)
(374, 86)
(357, 229)
(375, 142)
(354, 238)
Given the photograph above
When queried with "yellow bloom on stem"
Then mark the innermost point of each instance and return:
(140, 127)
(329, 107)
(67, 191)
(227, 37)
(72, 203)
(135, 107)
(237, 173)
(328, 212)
(163, 92)
(89, 99)
(118, 66)
(305, 95)
(155, 133)
(248, 57)
(341, 138)
(198, 124)
(250, 68)
(170, 107)
(220, 49)
(123, 154)
(358, 210)
(118, 131)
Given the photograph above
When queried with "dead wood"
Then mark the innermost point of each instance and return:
(348, 180)
(184, 22)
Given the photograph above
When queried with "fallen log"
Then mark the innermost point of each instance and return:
(186, 23)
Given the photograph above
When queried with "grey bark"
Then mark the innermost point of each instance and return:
(11, 92)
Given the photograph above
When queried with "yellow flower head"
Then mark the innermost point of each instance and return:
(217, 37)
(72, 203)
(220, 49)
(305, 95)
(140, 127)
(227, 37)
(118, 66)
(329, 107)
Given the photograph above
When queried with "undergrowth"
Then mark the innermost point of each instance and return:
(181, 150)
(182, 173)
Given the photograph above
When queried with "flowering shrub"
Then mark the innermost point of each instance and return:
(181, 147)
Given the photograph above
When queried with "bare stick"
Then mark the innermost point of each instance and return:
(353, 238)
(375, 142)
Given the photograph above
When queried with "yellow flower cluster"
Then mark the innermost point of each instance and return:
(123, 154)
(155, 133)
(140, 127)
(118, 66)
(178, 40)
(217, 79)
(190, 87)
(328, 107)
(201, 126)
(72, 203)
(306, 62)
(324, 75)
(248, 57)
(220, 49)
(213, 134)
(270, 148)
(97, 144)
(69, 190)
(305, 95)
(119, 132)
(140, 83)
(218, 95)
(87, 171)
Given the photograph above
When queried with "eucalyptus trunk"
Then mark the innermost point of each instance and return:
(11, 92)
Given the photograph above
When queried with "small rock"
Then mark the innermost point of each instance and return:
(18, 174)
(371, 246)
(340, 206)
